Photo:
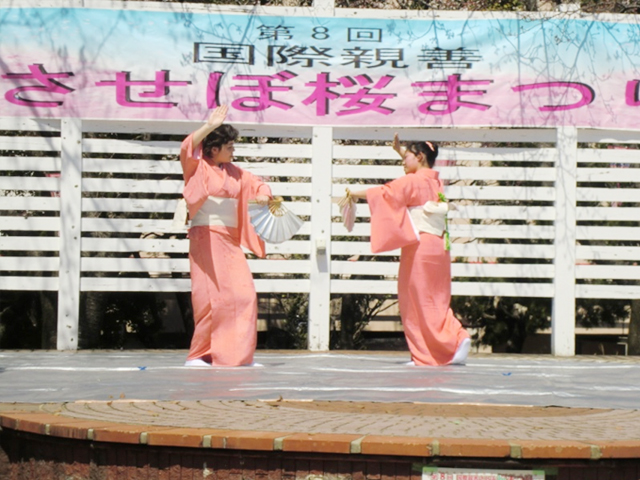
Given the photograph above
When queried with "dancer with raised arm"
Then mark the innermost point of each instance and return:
(410, 213)
(217, 192)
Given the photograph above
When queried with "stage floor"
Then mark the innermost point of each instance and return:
(588, 382)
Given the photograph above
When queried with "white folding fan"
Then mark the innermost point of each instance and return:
(273, 222)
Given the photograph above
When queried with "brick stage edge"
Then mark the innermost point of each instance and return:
(126, 439)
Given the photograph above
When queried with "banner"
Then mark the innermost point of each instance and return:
(168, 65)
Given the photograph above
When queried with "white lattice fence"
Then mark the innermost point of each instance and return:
(517, 232)
(30, 204)
(608, 212)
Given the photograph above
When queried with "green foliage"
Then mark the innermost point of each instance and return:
(123, 320)
(593, 312)
(503, 322)
(292, 332)
(27, 319)
(356, 311)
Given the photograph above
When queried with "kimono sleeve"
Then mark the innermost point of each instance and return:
(258, 187)
(391, 225)
(252, 186)
(195, 176)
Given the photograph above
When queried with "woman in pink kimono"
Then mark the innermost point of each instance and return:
(409, 213)
(223, 295)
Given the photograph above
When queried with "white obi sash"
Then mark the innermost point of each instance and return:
(429, 218)
(217, 211)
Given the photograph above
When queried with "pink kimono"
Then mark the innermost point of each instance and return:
(225, 306)
(424, 280)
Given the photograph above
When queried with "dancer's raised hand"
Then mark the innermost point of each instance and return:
(217, 116)
(396, 145)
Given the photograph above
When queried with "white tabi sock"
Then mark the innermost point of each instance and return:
(196, 362)
(462, 352)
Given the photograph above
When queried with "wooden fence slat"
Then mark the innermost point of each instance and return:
(135, 264)
(536, 232)
(126, 185)
(480, 270)
(612, 272)
(607, 195)
(511, 174)
(504, 270)
(611, 214)
(47, 184)
(134, 245)
(459, 250)
(507, 289)
(129, 185)
(132, 166)
(22, 223)
(158, 245)
(521, 194)
(613, 292)
(20, 243)
(128, 205)
(373, 287)
(584, 232)
(30, 203)
(30, 144)
(119, 284)
(498, 212)
(34, 164)
(606, 252)
(132, 147)
(29, 264)
(617, 175)
(30, 284)
(181, 265)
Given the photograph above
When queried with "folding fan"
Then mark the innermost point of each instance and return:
(347, 206)
(273, 222)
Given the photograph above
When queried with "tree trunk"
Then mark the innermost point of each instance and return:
(48, 320)
(349, 316)
(93, 307)
(634, 328)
